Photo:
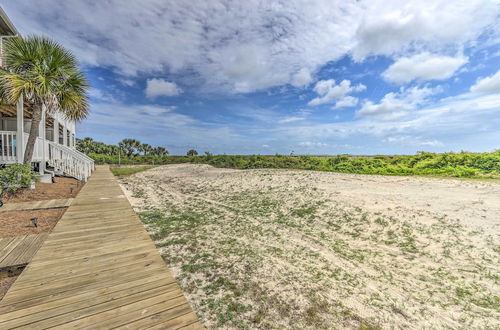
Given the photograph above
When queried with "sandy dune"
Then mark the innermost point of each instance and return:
(304, 249)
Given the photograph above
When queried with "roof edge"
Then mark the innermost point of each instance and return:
(7, 21)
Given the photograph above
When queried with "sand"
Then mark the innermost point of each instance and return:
(306, 249)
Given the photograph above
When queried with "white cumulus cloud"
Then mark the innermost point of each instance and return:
(422, 67)
(390, 27)
(159, 87)
(345, 102)
(397, 104)
(328, 91)
(487, 85)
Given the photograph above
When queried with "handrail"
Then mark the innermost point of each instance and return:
(72, 151)
(70, 161)
(83, 154)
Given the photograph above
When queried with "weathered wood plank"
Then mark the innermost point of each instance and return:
(37, 205)
(10, 247)
(20, 250)
(4, 242)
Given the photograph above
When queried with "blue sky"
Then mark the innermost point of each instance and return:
(309, 77)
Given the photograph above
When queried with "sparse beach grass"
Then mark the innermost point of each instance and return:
(297, 249)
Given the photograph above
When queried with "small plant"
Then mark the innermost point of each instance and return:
(15, 177)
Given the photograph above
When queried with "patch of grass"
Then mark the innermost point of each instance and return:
(129, 170)
(305, 211)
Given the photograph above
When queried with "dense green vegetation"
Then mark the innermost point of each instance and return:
(14, 177)
(463, 164)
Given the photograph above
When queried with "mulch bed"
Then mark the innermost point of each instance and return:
(62, 188)
(18, 223)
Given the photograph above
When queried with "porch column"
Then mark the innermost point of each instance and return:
(55, 136)
(20, 131)
(65, 136)
(42, 140)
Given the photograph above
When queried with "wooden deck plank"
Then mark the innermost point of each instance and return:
(89, 299)
(140, 310)
(17, 251)
(10, 247)
(168, 319)
(50, 282)
(37, 205)
(82, 271)
(186, 321)
(30, 252)
(22, 246)
(4, 242)
(95, 289)
(97, 269)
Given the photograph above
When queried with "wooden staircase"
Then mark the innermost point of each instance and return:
(70, 161)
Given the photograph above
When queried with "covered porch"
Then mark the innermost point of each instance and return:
(15, 124)
(54, 146)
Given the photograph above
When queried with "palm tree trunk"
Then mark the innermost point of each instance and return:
(35, 126)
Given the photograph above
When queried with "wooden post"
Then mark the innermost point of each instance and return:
(20, 131)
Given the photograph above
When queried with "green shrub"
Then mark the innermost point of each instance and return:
(15, 177)
(464, 172)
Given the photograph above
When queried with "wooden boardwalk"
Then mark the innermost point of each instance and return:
(98, 269)
(18, 251)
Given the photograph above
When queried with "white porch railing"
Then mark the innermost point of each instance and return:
(8, 152)
(62, 158)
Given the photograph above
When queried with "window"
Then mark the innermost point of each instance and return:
(61, 134)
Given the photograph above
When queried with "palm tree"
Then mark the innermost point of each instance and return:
(86, 145)
(146, 148)
(47, 76)
(129, 146)
(160, 151)
(192, 152)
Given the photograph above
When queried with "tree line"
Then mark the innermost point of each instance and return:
(126, 148)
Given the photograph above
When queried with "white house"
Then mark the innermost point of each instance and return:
(54, 150)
